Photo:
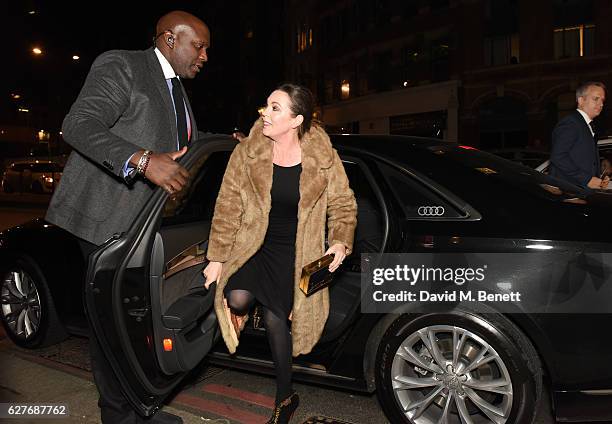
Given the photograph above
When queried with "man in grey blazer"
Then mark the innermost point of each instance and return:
(574, 156)
(129, 124)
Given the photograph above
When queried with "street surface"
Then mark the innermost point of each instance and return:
(61, 374)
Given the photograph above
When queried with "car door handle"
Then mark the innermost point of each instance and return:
(138, 313)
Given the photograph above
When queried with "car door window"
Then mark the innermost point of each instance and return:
(418, 200)
(196, 202)
(369, 233)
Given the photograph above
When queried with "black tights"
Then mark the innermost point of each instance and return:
(279, 338)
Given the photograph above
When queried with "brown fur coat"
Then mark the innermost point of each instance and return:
(241, 219)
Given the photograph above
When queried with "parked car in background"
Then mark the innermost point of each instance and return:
(33, 175)
(414, 195)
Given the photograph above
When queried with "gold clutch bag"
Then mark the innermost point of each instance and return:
(316, 275)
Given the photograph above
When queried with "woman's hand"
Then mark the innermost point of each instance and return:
(212, 273)
(339, 252)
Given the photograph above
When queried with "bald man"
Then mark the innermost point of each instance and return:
(130, 123)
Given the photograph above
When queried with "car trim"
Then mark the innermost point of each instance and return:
(599, 392)
(301, 373)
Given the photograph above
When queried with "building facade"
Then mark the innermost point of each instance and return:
(491, 73)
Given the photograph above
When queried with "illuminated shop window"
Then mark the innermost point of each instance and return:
(574, 41)
(345, 89)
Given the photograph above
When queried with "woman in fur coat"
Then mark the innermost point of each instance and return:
(281, 185)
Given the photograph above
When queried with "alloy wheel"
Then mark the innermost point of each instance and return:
(446, 374)
(20, 304)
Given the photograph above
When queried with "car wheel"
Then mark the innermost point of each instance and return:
(457, 367)
(27, 311)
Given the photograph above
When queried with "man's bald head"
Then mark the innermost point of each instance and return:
(175, 19)
(183, 39)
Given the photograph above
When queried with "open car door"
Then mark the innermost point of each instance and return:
(145, 295)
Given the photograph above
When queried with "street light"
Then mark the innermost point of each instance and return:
(76, 57)
(15, 96)
(36, 51)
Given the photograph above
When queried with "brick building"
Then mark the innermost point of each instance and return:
(491, 73)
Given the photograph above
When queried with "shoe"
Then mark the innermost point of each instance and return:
(162, 417)
(284, 410)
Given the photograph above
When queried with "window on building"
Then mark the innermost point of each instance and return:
(414, 59)
(345, 90)
(362, 65)
(440, 59)
(568, 13)
(325, 34)
(380, 77)
(426, 124)
(574, 41)
(501, 50)
(304, 38)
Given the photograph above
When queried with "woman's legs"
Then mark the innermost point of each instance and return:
(279, 339)
(240, 301)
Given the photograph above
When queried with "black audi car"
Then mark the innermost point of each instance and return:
(414, 195)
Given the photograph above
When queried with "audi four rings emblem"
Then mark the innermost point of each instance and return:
(430, 210)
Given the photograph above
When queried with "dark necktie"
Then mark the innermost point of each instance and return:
(592, 126)
(179, 107)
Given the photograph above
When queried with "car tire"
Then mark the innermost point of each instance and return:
(32, 323)
(412, 388)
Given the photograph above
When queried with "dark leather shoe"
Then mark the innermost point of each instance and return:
(162, 417)
(284, 410)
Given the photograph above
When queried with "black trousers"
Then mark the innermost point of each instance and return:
(114, 407)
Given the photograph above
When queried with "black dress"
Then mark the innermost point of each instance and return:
(269, 274)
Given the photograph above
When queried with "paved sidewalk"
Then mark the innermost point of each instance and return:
(24, 381)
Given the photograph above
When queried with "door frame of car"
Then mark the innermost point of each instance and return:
(121, 266)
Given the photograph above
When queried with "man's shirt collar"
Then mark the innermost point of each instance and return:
(585, 116)
(166, 67)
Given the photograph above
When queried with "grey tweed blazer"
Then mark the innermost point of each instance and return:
(124, 106)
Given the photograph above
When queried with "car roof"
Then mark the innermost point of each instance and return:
(461, 168)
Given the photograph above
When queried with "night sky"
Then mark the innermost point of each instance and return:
(49, 83)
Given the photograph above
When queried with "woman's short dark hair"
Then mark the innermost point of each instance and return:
(302, 103)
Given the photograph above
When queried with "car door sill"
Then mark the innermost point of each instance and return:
(302, 373)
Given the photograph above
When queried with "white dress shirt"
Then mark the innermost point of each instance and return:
(588, 120)
(169, 73)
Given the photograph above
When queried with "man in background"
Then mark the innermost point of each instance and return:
(574, 156)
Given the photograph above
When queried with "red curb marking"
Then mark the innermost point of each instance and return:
(220, 409)
(231, 392)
